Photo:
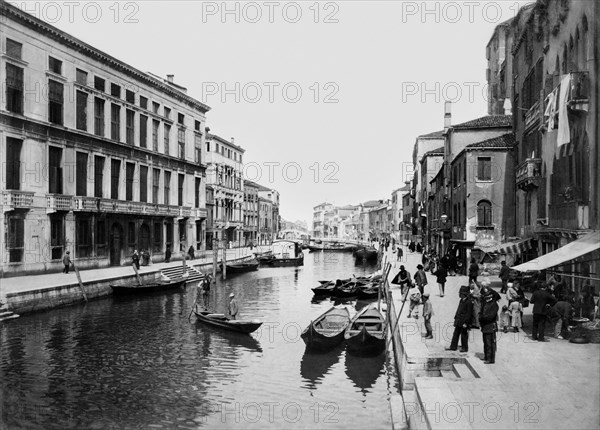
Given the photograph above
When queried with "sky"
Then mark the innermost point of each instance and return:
(326, 97)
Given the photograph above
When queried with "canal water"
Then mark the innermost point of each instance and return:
(139, 362)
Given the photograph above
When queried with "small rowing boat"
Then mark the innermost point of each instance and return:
(327, 330)
(152, 287)
(366, 334)
(220, 320)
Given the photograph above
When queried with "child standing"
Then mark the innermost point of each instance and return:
(505, 319)
(415, 300)
(516, 310)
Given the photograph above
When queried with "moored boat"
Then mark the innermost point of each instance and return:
(369, 291)
(151, 287)
(367, 253)
(220, 320)
(327, 330)
(349, 289)
(286, 253)
(242, 266)
(326, 288)
(367, 332)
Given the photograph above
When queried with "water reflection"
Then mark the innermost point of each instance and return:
(364, 371)
(233, 339)
(315, 365)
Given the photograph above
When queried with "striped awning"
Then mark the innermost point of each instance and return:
(508, 248)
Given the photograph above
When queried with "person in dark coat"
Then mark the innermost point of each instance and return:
(419, 247)
(411, 246)
(420, 278)
(504, 276)
(441, 274)
(462, 321)
(473, 270)
(542, 300)
(135, 259)
(168, 254)
(487, 320)
(67, 261)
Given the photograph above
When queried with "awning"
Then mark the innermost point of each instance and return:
(570, 251)
(516, 247)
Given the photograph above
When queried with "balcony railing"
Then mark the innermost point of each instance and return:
(529, 173)
(17, 200)
(569, 215)
(533, 115)
(86, 204)
(57, 202)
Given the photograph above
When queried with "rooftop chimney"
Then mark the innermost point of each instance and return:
(507, 107)
(170, 78)
(447, 116)
(233, 140)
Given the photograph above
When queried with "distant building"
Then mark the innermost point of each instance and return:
(251, 212)
(225, 186)
(318, 227)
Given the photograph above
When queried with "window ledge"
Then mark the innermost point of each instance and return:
(55, 76)
(15, 60)
(484, 227)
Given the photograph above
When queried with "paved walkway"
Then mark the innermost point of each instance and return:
(53, 280)
(553, 384)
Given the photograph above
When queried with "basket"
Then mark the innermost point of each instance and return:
(591, 330)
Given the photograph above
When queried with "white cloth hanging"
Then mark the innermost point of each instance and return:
(564, 132)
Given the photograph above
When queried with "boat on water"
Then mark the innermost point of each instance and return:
(151, 287)
(326, 288)
(327, 330)
(331, 246)
(367, 253)
(286, 253)
(369, 291)
(264, 257)
(367, 332)
(242, 266)
(221, 321)
(349, 289)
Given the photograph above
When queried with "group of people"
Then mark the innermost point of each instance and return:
(203, 297)
(412, 247)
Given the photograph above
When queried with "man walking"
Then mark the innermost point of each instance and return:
(462, 321)
(504, 275)
(542, 300)
(473, 271)
(563, 310)
(420, 278)
(67, 261)
(427, 314)
(487, 320)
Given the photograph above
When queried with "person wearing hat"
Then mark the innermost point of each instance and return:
(462, 321)
(206, 290)
(233, 306)
(487, 320)
(504, 276)
(427, 314)
(542, 301)
(67, 261)
(420, 278)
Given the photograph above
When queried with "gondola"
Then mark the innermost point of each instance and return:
(242, 267)
(220, 320)
(366, 334)
(327, 330)
(151, 287)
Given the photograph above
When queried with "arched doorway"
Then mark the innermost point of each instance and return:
(116, 242)
(144, 242)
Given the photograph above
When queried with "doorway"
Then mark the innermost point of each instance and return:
(116, 242)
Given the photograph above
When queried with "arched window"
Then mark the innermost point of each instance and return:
(484, 213)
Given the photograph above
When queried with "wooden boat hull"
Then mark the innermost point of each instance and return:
(366, 254)
(240, 326)
(285, 262)
(327, 330)
(147, 288)
(367, 332)
(323, 290)
(242, 268)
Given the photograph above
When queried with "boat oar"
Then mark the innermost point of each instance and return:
(395, 326)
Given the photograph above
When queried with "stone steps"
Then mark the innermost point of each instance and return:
(5, 314)
(177, 272)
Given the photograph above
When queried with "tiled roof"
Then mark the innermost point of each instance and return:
(438, 151)
(489, 121)
(434, 135)
(372, 203)
(504, 141)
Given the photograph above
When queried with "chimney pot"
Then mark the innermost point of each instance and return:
(233, 140)
(447, 115)
(170, 78)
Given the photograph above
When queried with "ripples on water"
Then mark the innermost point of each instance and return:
(138, 362)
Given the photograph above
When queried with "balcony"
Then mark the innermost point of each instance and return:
(13, 199)
(534, 115)
(580, 91)
(185, 212)
(529, 174)
(569, 216)
(58, 203)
